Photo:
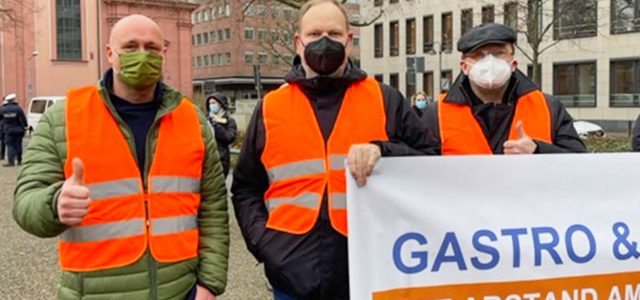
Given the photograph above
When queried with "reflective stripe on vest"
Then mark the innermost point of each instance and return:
(116, 232)
(460, 133)
(294, 155)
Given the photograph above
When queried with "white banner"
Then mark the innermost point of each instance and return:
(497, 227)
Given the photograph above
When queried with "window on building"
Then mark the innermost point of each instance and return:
(410, 35)
(248, 58)
(393, 1)
(193, 39)
(394, 80)
(68, 30)
(625, 16)
(263, 11)
(262, 58)
(193, 61)
(214, 60)
(206, 60)
(207, 15)
(576, 19)
(379, 77)
(205, 38)
(446, 78)
(288, 59)
(427, 34)
(288, 13)
(447, 32)
(286, 37)
(466, 21)
(227, 10)
(227, 34)
(625, 83)
(378, 40)
(262, 35)
(227, 58)
(198, 39)
(221, 59)
(248, 10)
(275, 59)
(356, 41)
(214, 36)
(427, 83)
(248, 34)
(394, 34)
(575, 84)
(199, 61)
(377, 3)
(488, 14)
(534, 17)
(220, 35)
(212, 13)
(511, 15)
(275, 12)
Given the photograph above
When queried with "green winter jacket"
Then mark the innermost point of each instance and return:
(40, 181)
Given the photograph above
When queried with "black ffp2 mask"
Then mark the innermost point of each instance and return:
(324, 56)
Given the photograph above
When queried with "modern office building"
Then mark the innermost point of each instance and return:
(591, 64)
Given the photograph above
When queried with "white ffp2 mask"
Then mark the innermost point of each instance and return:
(490, 72)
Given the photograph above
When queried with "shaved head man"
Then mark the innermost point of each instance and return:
(127, 175)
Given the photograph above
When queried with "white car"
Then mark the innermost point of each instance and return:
(587, 129)
(37, 107)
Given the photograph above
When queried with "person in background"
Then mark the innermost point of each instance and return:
(224, 126)
(14, 126)
(419, 102)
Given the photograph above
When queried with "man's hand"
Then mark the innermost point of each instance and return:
(523, 145)
(74, 199)
(361, 160)
(203, 293)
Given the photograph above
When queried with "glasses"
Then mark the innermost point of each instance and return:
(478, 55)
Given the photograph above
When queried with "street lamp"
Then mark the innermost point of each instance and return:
(29, 86)
(437, 48)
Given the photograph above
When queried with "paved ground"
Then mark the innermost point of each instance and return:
(29, 270)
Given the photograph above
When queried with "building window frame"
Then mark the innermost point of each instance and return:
(578, 29)
(394, 39)
(574, 100)
(615, 99)
(83, 43)
(631, 25)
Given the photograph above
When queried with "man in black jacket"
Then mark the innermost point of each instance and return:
(14, 124)
(313, 264)
(224, 127)
(485, 96)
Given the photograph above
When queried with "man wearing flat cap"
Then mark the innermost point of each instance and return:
(493, 108)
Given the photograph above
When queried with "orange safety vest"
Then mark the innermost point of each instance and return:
(122, 216)
(461, 134)
(301, 167)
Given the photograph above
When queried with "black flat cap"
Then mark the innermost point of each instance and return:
(488, 33)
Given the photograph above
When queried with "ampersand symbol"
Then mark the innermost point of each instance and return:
(630, 249)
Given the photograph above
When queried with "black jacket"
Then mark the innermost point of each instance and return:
(311, 265)
(225, 136)
(13, 119)
(495, 120)
(418, 111)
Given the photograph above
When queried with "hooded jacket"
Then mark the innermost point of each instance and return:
(312, 265)
(225, 133)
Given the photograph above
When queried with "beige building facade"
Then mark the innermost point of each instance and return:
(592, 63)
(60, 44)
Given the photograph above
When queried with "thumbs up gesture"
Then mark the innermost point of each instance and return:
(74, 199)
(523, 145)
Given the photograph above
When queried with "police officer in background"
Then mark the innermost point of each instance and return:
(14, 124)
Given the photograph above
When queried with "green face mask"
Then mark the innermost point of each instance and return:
(140, 69)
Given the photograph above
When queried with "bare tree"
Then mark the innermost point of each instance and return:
(13, 13)
(544, 23)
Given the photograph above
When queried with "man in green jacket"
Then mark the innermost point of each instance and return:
(56, 198)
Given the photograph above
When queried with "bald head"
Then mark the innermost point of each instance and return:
(134, 24)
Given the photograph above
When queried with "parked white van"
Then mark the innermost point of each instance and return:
(37, 107)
